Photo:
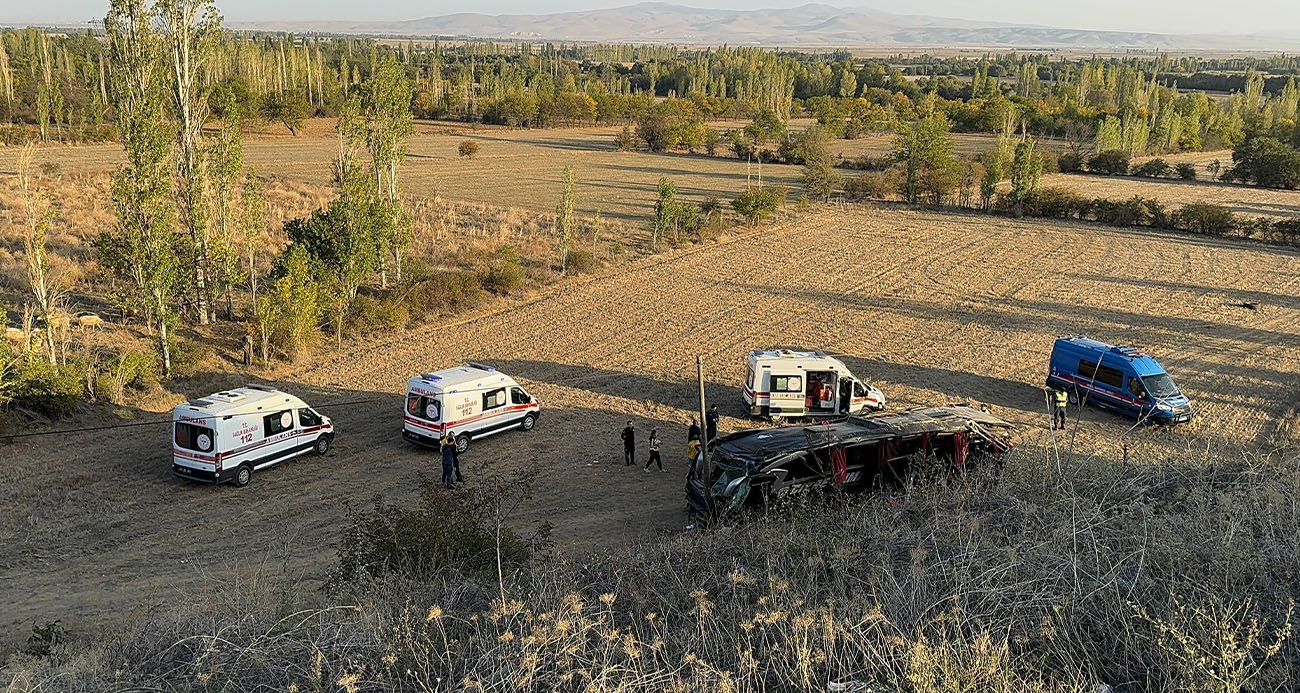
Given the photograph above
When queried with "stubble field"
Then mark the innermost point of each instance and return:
(931, 307)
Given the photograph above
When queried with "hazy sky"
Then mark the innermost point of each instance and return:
(1166, 16)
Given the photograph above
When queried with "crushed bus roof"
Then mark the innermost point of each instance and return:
(766, 444)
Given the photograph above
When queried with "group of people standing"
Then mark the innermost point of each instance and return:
(692, 434)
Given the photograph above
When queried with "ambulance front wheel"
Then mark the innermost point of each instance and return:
(462, 443)
(322, 445)
(528, 422)
(243, 475)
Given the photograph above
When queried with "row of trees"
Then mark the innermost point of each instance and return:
(62, 84)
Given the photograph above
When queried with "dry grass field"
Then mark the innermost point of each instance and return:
(931, 307)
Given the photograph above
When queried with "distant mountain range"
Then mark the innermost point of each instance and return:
(812, 25)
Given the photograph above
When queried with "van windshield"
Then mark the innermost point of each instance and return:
(1161, 386)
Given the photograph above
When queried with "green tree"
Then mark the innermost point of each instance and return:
(1266, 162)
(925, 148)
(756, 204)
(766, 127)
(289, 315)
(225, 167)
(386, 107)
(663, 210)
(37, 213)
(669, 124)
(1026, 169)
(565, 221)
(141, 248)
(190, 30)
(287, 107)
(819, 176)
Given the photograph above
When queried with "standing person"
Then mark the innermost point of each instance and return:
(629, 444)
(711, 422)
(246, 346)
(448, 459)
(654, 451)
(1060, 400)
(693, 433)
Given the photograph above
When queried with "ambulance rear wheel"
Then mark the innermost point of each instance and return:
(243, 475)
(528, 422)
(462, 443)
(322, 445)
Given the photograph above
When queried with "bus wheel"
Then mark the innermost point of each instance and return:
(243, 475)
(528, 422)
(322, 445)
(462, 443)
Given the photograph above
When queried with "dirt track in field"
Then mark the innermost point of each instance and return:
(931, 307)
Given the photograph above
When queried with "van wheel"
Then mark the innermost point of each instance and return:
(243, 475)
(1076, 398)
(528, 422)
(322, 445)
(462, 443)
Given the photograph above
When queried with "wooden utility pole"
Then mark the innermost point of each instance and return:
(704, 429)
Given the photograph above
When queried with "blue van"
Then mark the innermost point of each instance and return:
(1122, 378)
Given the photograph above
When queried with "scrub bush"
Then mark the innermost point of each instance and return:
(35, 385)
(468, 149)
(581, 260)
(1154, 168)
(505, 276)
(1203, 217)
(1112, 162)
(371, 314)
(756, 204)
(1186, 171)
(876, 185)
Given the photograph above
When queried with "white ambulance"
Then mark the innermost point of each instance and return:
(783, 383)
(469, 401)
(226, 436)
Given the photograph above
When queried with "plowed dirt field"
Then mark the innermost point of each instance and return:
(933, 308)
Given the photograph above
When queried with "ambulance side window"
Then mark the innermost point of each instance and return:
(859, 390)
(494, 398)
(308, 418)
(278, 422)
(787, 383)
(518, 396)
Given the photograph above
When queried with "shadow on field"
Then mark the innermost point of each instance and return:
(682, 394)
(961, 386)
(1262, 298)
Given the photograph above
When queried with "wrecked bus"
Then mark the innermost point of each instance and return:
(751, 468)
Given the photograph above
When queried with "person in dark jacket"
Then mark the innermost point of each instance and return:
(629, 444)
(693, 433)
(449, 459)
(711, 422)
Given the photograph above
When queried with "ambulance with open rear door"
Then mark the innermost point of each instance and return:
(784, 383)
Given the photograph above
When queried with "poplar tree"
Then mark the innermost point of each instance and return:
(225, 167)
(37, 213)
(190, 29)
(386, 108)
(1026, 168)
(923, 147)
(564, 217)
(141, 248)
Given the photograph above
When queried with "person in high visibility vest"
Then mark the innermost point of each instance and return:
(1060, 400)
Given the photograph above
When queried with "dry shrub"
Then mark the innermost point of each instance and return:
(1173, 575)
